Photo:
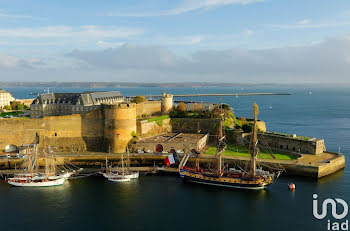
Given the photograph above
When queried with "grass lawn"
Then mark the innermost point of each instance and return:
(235, 150)
(159, 119)
(14, 113)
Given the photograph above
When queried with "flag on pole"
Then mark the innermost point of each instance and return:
(170, 159)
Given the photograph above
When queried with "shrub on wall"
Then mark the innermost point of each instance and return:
(247, 128)
(181, 107)
(138, 99)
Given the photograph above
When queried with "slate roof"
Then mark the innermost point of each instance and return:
(86, 98)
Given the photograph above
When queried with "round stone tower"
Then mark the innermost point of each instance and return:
(120, 125)
(167, 103)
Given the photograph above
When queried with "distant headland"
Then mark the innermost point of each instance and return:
(44, 84)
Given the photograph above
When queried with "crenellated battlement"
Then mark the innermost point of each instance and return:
(119, 105)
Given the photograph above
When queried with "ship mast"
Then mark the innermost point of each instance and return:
(128, 169)
(254, 142)
(197, 155)
(221, 146)
(123, 164)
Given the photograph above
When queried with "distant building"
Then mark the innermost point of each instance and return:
(56, 104)
(5, 98)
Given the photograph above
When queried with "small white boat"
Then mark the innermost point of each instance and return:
(35, 182)
(121, 174)
(131, 175)
(119, 179)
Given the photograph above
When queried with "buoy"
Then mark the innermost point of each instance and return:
(291, 186)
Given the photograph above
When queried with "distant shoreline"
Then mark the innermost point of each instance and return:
(16, 84)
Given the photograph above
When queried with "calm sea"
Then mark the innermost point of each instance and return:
(166, 203)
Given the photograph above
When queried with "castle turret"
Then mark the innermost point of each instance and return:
(120, 125)
(167, 103)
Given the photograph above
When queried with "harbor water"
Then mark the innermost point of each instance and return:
(167, 203)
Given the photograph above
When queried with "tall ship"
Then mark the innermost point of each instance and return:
(52, 176)
(249, 177)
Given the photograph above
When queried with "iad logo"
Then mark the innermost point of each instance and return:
(333, 203)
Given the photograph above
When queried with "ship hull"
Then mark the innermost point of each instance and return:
(222, 184)
(131, 175)
(221, 181)
(50, 183)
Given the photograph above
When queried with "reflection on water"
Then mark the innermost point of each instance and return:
(125, 192)
(95, 203)
(333, 178)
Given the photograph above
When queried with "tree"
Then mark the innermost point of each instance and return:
(197, 107)
(16, 105)
(19, 107)
(181, 107)
(138, 99)
(243, 121)
(7, 107)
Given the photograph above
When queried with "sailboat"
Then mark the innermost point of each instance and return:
(125, 170)
(249, 178)
(119, 177)
(36, 179)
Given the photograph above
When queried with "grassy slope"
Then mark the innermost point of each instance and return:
(158, 119)
(235, 150)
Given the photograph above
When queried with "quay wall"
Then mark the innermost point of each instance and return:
(144, 160)
(332, 166)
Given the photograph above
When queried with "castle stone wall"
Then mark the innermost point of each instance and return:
(149, 108)
(67, 133)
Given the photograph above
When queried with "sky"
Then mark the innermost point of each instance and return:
(238, 41)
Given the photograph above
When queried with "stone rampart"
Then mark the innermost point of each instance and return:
(67, 133)
(149, 108)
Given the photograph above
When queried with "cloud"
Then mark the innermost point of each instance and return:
(88, 31)
(105, 44)
(182, 40)
(13, 62)
(4, 14)
(187, 6)
(326, 61)
(128, 56)
(305, 24)
(7, 61)
(249, 32)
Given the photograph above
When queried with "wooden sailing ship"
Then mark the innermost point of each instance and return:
(248, 178)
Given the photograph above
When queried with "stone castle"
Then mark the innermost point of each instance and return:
(107, 121)
(105, 126)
